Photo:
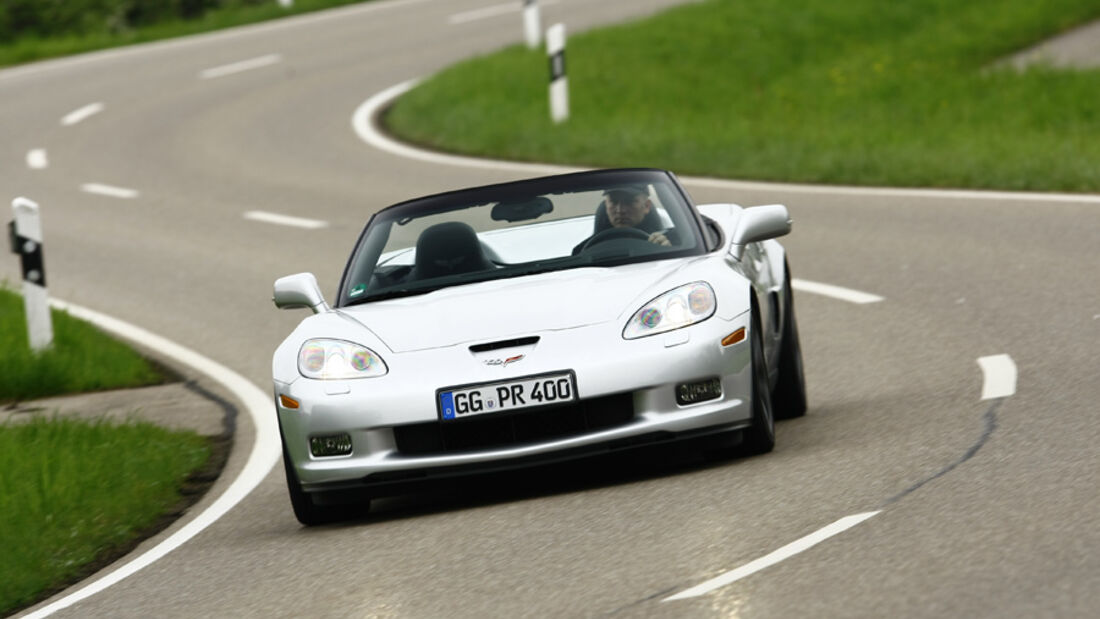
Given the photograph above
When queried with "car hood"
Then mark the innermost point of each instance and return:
(506, 308)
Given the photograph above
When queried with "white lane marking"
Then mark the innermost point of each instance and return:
(37, 159)
(265, 447)
(491, 11)
(774, 557)
(836, 292)
(110, 191)
(998, 376)
(285, 220)
(363, 122)
(238, 67)
(81, 114)
(288, 23)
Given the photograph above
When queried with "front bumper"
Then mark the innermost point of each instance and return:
(644, 372)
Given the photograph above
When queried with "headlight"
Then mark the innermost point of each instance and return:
(674, 309)
(338, 360)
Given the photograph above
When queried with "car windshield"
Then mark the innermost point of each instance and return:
(585, 220)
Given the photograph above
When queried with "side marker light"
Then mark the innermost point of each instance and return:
(733, 338)
(288, 402)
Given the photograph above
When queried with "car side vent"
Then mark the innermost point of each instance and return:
(519, 341)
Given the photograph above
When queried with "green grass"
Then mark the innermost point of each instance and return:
(31, 46)
(862, 92)
(76, 491)
(82, 358)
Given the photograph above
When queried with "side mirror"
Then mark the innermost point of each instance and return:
(759, 223)
(298, 291)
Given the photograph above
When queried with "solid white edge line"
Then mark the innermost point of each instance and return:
(998, 376)
(836, 292)
(494, 10)
(110, 191)
(37, 159)
(265, 454)
(239, 67)
(363, 122)
(484, 13)
(285, 220)
(786, 552)
(81, 114)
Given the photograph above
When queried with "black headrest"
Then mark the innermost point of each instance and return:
(448, 248)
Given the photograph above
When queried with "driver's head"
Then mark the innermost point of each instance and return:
(627, 206)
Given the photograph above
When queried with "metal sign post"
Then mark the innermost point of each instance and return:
(25, 232)
(531, 27)
(559, 86)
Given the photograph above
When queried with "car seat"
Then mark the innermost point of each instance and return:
(448, 248)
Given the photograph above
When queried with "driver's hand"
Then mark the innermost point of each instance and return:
(659, 238)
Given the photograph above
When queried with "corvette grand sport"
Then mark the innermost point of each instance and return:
(536, 321)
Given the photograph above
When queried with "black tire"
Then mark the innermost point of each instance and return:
(789, 395)
(759, 438)
(305, 510)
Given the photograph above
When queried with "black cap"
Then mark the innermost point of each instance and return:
(632, 189)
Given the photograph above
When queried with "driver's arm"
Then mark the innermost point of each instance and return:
(659, 238)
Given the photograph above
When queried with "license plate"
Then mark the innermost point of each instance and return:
(506, 395)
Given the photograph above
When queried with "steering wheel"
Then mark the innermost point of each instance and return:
(629, 232)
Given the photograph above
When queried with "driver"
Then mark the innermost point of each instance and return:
(628, 206)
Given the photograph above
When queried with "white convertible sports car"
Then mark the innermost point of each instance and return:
(535, 321)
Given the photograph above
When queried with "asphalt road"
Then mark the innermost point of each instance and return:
(985, 507)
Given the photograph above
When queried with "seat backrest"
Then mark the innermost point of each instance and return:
(448, 248)
(650, 223)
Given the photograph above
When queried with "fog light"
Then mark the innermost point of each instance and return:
(691, 393)
(334, 445)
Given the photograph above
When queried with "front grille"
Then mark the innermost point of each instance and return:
(436, 437)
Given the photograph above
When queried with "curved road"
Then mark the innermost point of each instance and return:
(981, 507)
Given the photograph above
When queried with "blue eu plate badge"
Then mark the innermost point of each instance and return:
(447, 403)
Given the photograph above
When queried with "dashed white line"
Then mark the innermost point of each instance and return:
(237, 67)
(285, 220)
(37, 159)
(999, 376)
(81, 114)
(786, 552)
(836, 292)
(490, 11)
(265, 447)
(110, 191)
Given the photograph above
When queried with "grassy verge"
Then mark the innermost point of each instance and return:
(75, 491)
(82, 358)
(29, 46)
(862, 92)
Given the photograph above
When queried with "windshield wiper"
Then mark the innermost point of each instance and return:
(394, 293)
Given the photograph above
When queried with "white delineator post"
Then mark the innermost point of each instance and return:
(26, 239)
(559, 85)
(531, 27)
(286, 4)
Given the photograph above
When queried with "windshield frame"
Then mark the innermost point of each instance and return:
(562, 183)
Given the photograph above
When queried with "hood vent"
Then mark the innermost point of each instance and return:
(513, 343)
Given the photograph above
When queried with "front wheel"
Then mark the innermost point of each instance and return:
(760, 436)
(307, 509)
(304, 510)
(789, 395)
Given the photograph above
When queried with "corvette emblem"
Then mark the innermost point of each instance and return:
(504, 362)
